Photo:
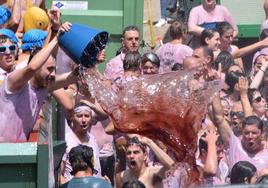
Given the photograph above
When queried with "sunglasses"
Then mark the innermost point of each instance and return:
(6, 49)
(258, 99)
(238, 114)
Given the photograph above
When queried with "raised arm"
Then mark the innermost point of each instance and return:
(243, 89)
(257, 80)
(64, 80)
(14, 20)
(65, 100)
(223, 126)
(251, 48)
(19, 78)
(162, 156)
(211, 163)
(193, 28)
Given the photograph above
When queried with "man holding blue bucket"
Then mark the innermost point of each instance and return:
(24, 90)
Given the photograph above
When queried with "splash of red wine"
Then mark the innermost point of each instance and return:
(167, 107)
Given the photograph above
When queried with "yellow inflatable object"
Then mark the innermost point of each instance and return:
(35, 18)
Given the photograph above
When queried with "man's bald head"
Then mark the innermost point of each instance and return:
(191, 63)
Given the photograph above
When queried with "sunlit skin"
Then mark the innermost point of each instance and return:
(209, 4)
(226, 39)
(214, 42)
(259, 61)
(135, 158)
(101, 56)
(7, 59)
(199, 54)
(46, 74)
(149, 68)
(259, 107)
(205, 62)
(236, 121)
(81, 122)
(192, 63)
(251, 139)
(226, 109)
(131, 41)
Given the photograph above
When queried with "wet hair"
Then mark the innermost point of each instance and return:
(152, 57)
(130, 28)
(81, 158)
(226, 60)
(177, 67)
(251, 92)
(133, 184)
(264, 34)
(232, 78)
(262, 179)
(132, 61)
(253, 120)
(207, 33)
(222, 27)
(177, 29)
(135, 141)
(242, 170)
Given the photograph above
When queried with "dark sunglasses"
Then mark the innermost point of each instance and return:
(238, 114)
(258, 99)
(4, 49)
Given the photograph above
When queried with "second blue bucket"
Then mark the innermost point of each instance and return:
(83, 43)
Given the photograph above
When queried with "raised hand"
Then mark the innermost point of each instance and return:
(211, 136)
(65, 27)
(243, 85)
(54, 17)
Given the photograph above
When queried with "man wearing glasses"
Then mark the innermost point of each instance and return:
(247, 148)
(8, 50)
(23, 91)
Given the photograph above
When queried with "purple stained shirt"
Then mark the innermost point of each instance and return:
(114, 68)
(19, 111)
(169, 54)
(237, 153)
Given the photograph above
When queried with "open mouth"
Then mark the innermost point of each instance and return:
(51, 79)
(132, 163)
(84, 126)
(251, 144)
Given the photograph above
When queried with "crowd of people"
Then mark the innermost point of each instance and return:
(233, 136)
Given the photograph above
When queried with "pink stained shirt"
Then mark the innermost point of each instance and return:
(169, 54)
(198, 15)
(104, 141)
(73, 141)
(114, 68)
(237, 153)
(19, 111)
